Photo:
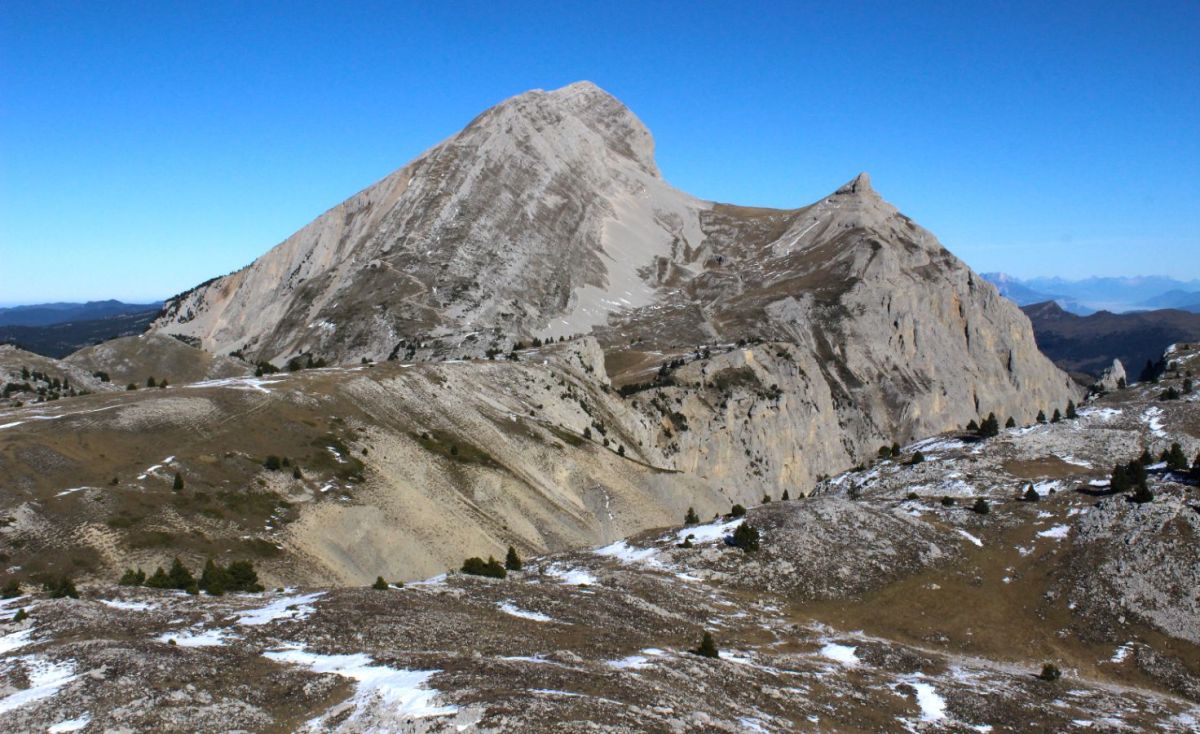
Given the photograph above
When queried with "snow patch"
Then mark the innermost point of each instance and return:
(970, 537)
(195, 638)
(843, 654)
(132, 606)
(510, 608)
(626, 553)
(45, 678)
(398, 691)
(1058, 532)
(289, 607)
(571, 576)
(70, 725)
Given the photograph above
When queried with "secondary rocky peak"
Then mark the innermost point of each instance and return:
(860, 184)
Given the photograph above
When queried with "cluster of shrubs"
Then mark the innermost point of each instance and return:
(57, 587)
(1129, 476)
(275, 463)
(215, 579)
(492, 568)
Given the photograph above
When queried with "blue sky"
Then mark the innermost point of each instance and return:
(145, 147)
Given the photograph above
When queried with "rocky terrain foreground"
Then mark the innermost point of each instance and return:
(883, 602)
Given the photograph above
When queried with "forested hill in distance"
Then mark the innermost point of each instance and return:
(58, 329)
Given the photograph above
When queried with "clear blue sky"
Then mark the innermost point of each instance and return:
(149, 146)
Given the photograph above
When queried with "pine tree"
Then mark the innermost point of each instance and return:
(786, 497)
(708, 647)
(1056, 417)
(1031, 494)
(766, 498)
(150, 382)
(512, 562)
(178, 485)
(691, 518)
(917, 458)
(1119, 481)
(745, 536)
(132, 577)
(1176, 460)
(1146, 459)
(492, 568)
(242, 577)
(20, 616)
(61, 588)
(296, 473)
(1010, 423)
(895, 450)
(1072, 414)
(973, 427)
(1196, 467)
(380, 584)
(1041, 416)
(11, 589)
(159, 579)
(990, 426)
(213, 578)
(737, 511)
(981, 506)
(1050, 672)
(180, 577)
(1142, 494)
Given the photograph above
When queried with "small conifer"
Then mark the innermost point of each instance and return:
(1142, 494)
(786, 497)
(1031, 494)
(737, 511)
(1050, 672)
(745, 536)
(512, 562)
(1010, 423)
(1041, 416)
(380, 584)
(708, 647)
(180, 577)
(1056, 417)
(691, 518)
(1072, 413)
(11, 589)
(61, 587)
(178, 483)
(917, 458)
(981, 506)
(1176, 460)
(132, 577)
(20, 616)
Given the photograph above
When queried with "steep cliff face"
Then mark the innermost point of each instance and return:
(546, 216)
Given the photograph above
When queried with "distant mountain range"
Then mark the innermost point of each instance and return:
(47, 314)
(58, 329)
(1089, 295)
(1085, 345)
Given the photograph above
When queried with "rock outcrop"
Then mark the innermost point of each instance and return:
(1111, 379)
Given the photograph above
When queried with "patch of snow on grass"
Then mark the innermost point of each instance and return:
(289, 607)
(132, 606)
(72, 490)
(1121, 653)
(70, 725)
(45, 678)
(571, 576)
(935, 444)
(970, 537)
(1099, 414)
(1153, 420)
(1043, 488)
(514, 610)
(1058, 532)
(932, 705)
(708, 533)
(843, 654)
(402, 692)
(15, 640)
(257, 384)
(195, 638)
(626, 553)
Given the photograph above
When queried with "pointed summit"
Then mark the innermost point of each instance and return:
(860, 185)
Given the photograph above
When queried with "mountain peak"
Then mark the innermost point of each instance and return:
(602, 113)
(861, 184)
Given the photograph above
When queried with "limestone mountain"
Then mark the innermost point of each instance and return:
(547, 216)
